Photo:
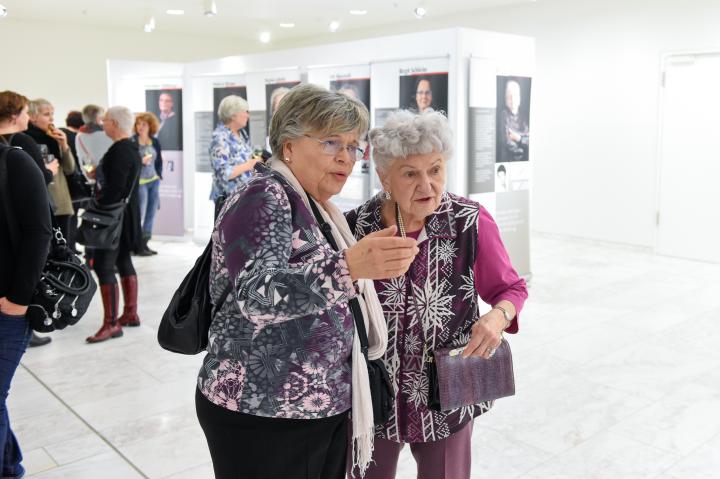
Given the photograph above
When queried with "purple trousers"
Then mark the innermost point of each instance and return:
(448, 458)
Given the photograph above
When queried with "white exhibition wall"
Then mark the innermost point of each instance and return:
(444, 53)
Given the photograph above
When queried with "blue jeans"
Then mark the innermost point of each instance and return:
(14, 336)
(149, 204)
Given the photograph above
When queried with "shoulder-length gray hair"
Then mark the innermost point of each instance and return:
(406, 133)
(311, 108)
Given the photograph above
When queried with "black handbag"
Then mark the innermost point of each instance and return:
(381, 391)
(66, 286)
(185, 324)
(80, 187)
(101, 225)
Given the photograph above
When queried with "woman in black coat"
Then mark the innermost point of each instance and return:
(120, 168)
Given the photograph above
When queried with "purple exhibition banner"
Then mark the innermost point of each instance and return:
(169, 219)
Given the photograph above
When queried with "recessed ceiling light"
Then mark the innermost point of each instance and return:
(175, 12)
(334, 26)
(265, 37)
(358, 12)
(3, 11)
(287, 25)
(420, 12)
(149, 25)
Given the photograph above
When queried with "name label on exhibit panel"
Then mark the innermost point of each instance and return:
(278, 80)
(413, 70)
(341, 76)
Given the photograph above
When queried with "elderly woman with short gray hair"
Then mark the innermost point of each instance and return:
(231, 155)
(119, 168)
(434, 304)
(283, 365)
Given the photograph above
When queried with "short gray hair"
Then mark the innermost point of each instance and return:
(311, 108)
(123, 117)
(230, 106)
(278, 92)
(91, 113)
(406, 133)
(36, 105)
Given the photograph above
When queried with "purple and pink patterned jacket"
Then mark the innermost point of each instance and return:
(461, 256)
(280, 343)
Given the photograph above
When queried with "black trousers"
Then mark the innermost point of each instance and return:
(105, 261)
(243, 446)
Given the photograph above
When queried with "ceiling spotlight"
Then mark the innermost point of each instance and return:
(265, 37)
(334, 26)
(358, 12)
(420, 12)
(209, 8)
(3, 11)
(287, 25)
(175, 12)
(149, 25)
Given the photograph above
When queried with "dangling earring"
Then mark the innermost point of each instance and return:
(388, 197)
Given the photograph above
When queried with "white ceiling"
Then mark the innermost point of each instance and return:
(242, 19)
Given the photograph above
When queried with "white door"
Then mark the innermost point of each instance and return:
(689, 188)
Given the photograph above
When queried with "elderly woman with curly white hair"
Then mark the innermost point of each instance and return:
(434, 304)
(230, 151)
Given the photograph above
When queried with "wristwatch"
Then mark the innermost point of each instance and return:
(506, 315)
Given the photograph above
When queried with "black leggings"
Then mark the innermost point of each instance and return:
(105, 261)
(243, 446)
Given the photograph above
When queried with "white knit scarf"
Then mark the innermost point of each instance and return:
(363, 429)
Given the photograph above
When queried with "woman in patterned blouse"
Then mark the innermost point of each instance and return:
(279, 378)
(230, 151)
(435, 303)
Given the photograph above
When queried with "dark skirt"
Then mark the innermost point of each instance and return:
(244, 446)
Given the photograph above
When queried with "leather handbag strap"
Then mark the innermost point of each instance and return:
(354, 303)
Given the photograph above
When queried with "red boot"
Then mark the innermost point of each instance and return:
(110, 328)
(129, 288)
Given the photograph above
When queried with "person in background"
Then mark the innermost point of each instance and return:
(77, 180)
(14, 120)
(21, 265)
(119, 168)
(91, 142)
(275, 98)
(146, 126)
(231, 155)
(44, 132)
(434, 305)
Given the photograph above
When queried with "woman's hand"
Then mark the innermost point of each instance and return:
(381, 255)
(12, 309)
(61, 138)
(486, 335)
(53, 166)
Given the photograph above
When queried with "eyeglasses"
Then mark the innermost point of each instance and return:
(333, 147)
(424, 92)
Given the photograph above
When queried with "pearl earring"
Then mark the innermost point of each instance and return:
(288, 160)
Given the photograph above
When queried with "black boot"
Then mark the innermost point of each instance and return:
(36, 340)
(145, 250)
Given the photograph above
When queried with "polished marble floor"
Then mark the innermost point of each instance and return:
(617, 369)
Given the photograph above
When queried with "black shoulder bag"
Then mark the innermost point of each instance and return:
(66, 286)
(381, 391)
(185, 324)
(101, 225)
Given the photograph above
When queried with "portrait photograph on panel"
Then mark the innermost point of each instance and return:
(419, 92)
(513, 119)
(221, 92)
(166, 104)
(274, 92)
(358, 88)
